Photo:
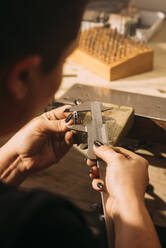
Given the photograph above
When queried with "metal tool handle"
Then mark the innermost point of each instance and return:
(104, 196)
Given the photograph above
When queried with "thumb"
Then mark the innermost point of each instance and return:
(104, 152)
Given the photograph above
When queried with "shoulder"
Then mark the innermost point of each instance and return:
(43, 216)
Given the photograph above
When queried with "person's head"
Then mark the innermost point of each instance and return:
(35, 38)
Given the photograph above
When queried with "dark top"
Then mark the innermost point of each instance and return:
(35, 218)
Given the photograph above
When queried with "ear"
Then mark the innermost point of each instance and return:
(19, 75)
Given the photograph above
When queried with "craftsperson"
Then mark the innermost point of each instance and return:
(36, 36)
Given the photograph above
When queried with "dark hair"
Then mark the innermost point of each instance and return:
(42, 27)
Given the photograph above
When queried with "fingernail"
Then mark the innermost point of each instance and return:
(100, 185)
(69, 118)
(98, 143)
(67, 110)
(149, 188)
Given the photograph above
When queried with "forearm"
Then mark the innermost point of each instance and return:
(134, 227)
(10, 166)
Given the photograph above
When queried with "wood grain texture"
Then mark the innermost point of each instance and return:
(69, 178)
(148, 130)
(134, 65)
(140, 63)
(111, 55)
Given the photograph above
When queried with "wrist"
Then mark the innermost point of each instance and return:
(133, 225)
(10, 166)
(7, 157)
(125, 206)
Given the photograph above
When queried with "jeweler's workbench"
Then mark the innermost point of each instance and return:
(147, 137)
(150, 83)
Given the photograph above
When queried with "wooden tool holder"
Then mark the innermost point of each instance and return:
(112, 55)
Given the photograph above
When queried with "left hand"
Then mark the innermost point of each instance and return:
(42, 142)
(126, 177)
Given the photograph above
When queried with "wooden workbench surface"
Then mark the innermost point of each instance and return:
(151, 83)
(70, 177)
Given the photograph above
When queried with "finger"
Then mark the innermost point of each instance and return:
(106, 153)
(94, 172)
(69, 138)
(98, 185)
(60, 149)
(64, 148)
(53, 126)
(59, 136)
(57, 114)
(91, 162)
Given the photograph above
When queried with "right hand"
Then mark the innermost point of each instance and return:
(39, 144)
(126, 175)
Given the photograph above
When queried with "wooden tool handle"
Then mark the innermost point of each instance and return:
(104, 196)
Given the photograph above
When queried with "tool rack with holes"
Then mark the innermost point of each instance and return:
(111, 54)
